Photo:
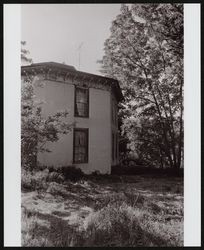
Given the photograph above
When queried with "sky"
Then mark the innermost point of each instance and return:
(54, 32)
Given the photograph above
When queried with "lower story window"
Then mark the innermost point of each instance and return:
(80, 145)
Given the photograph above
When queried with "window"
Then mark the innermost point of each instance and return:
(80, 145)
(81, 102)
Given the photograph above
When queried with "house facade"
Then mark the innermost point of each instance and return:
(92, 103)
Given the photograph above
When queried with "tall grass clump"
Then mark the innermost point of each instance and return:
(30, 224)
(122, 225)
(113, 226)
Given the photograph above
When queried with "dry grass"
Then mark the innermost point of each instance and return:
(129, 211)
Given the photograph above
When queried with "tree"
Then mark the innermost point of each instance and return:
(24, 54)
(145, 54)
(37, 130)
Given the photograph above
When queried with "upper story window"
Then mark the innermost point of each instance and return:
(81, 102)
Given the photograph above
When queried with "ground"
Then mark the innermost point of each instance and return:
(120, 211)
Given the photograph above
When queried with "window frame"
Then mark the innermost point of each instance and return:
(75, 102)
(86, 130)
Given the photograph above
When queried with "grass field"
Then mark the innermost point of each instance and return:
(116, 211)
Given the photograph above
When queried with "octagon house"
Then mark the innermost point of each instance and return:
(92, 103)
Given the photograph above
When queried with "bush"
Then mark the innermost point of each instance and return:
(39, 180)
(97, 176)
(132, 161)
(33, 180)
(55, 177)
(72, 173)
(26, 180)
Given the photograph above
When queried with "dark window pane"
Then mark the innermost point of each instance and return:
(80, 138)
(82, 95)
(81, 105)
(80, 146)
(81, 109)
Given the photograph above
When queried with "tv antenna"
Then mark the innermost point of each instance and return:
(79, 50)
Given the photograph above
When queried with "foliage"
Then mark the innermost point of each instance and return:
(34, 180)
(145, 54)
(72, 173)
(39, 180)
(36, 129)
(24, 54)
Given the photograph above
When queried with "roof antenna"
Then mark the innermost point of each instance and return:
(79, 49)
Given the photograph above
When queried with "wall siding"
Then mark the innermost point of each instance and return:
(59, 96)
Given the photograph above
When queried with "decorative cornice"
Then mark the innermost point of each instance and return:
(58, 73)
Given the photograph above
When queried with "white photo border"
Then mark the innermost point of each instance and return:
(192, 125)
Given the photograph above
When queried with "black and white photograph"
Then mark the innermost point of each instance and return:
(102, 125)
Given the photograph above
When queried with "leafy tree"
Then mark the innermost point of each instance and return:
(24, 54)
(37, 130)
(145, 54)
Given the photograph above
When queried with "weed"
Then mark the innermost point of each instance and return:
(133, 214)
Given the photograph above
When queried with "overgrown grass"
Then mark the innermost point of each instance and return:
(125, 225)
(132, 211)
(133, 220)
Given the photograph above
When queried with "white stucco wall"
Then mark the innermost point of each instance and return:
(60, 96)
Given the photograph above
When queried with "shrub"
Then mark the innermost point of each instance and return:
(26, 180)
(54, 169)
(55, 177)
(36, 131)
(72, 173)
(34, 180)
(39, 180)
